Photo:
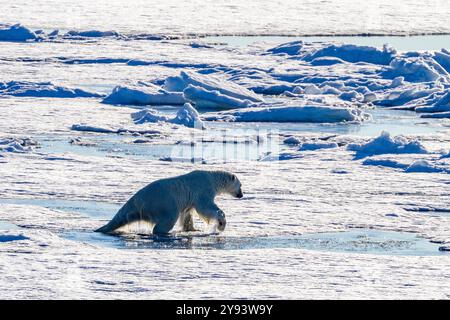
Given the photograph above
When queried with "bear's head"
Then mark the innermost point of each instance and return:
(234, 187)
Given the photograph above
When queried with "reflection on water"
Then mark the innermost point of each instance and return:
(357, 241)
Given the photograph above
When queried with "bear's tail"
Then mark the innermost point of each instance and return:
(108, 228)
(121, 218)
(114, 224)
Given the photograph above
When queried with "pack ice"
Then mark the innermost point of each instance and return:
(98, 155)
(416, 81)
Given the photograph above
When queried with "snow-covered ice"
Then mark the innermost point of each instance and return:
(291, 114)
(143, 95)
(16, 32)
(74, 34)
(387, 144)
(210, 91)
(186, 116)
(17, 144)
(308, 146)
(95, 109)
(353, 53)
(204, 99)
(42, 89)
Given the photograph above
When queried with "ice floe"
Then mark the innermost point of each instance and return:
(415, 69)
(143, 95)
(442, 104)
(386, 144)
(427, 167)
(311, 146)
(74, 34)
(292, 141)
(351, 96)
(17, 33)
(443, 58)
(406, 97)
(98, 129)
(430, 165)
(42, 89)
(205, 99)
(439, 115)
(17, 145)
(326, 61)
(203, 91)
(89, 128)
(186, 116)
(317, 114)
(210, 88)
(282, 156)
(184, 160)
(389, 163)
(354, 53)
(289, 48)
(327, 54)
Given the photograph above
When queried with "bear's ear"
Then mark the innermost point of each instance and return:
(233, 178)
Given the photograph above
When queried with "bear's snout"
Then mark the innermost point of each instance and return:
(239, 194)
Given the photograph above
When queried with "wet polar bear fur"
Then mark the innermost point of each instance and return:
(163, 202)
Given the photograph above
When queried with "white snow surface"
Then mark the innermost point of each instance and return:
(332, 173)
(307, 17)
(42, 268)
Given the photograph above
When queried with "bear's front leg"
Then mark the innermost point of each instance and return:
(210, 211)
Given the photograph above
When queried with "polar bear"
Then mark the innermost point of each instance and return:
(164, 202)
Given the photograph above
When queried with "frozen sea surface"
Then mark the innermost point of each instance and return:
(225, 17)
(320, 218)
(403, 43)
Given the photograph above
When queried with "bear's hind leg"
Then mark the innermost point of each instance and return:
(163, 226)
(188, 222)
